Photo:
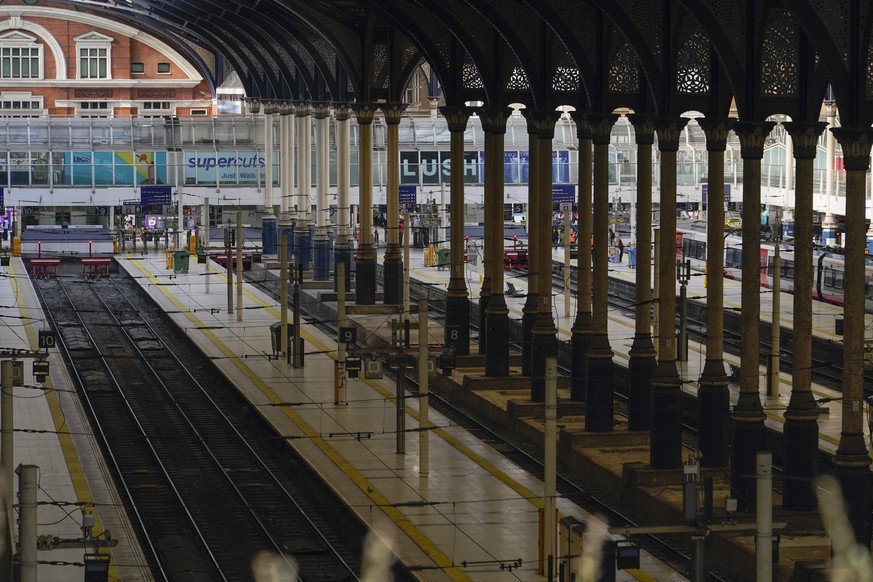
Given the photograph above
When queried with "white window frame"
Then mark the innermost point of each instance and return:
(93, 109)
(147, 109)
(18, 40)
(35, 105)
(89, 42)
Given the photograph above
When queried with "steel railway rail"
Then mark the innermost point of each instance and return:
(206, 493)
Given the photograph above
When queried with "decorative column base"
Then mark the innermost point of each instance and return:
(580, 342)
(641, 371)
(365, 281)
(497, 352)
(544, 344)
(801, 459)
(393, 282)
(303, 245)
(458, 324)
(484, 300)
(714, 403)
(666, 439)
(599, 407)
(268, 235)
(321, 266)
(749, 439)
(853, 473)
(528, 320)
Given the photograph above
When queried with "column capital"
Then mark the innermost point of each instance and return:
(855, 142)
(287, 108)
(601, 127)
(542, 122)
(644, 128)
(716, 131)
(752, 135)
(669, 130)
(304, 109)
(271, 107)
(393, 112)
(583, 128)
(342, 112)
(494, 118)
(364, 112)
(804, 137)
(321, 110)
(456, 116)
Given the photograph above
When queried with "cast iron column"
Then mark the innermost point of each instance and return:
(544, 337)
(365, 264)
(457, 297)
(666, 441)
(851, 463)
(643, 358)
(342, 251)
(496, 337)
(531, 304)
(749, 431)
(393, 265)
(321, 241)
(713, 395)
(288, 209)
(582, 325)
(302, 236)
(268, 223)
(801, 418)
(600, 388)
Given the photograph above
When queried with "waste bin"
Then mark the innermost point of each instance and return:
(838, 325)
(276, 336)
(202, 257)
(180, 261)
(444, 258)
(632, 257)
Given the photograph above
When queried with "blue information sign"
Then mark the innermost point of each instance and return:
(407, 194)
(563, 194)
(155, 195)
(704, 192)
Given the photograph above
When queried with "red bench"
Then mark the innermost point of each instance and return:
(221, 259)
(96, 266)
(45, 267)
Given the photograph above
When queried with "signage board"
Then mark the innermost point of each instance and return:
(155, 195)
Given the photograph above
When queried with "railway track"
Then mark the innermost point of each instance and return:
(207, 487)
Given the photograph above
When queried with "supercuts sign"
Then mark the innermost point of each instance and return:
(436, 167)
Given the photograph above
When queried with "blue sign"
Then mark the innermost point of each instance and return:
(155, 195)
(563, 194)
(408, 194)
(704, 192)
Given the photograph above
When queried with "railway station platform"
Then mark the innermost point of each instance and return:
(51, 431)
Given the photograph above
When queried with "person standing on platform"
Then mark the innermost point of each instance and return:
(620, 250)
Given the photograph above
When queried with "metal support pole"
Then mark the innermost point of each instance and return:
(550, 456)
(283, 291)
(400, 423)
(656, 294)
(297, 348)
(406, 239)
(764, 517)
(683, 272)
(27, 532)
(340, 395)
(6, 467)
(698, 562)
(773, 377)
(423, 387)
(228, 254)
(568, 215)
(239, 266)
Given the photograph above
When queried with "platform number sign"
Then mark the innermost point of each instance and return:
(101, 210)
(47, 339)
(348, 335)
(453, 335)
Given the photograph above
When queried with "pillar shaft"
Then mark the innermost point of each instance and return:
(666, 441)
(643, 360)
(714, 395)
(457, 299)
(365, 275)
(343, 187)
(801, 426)
(393, 280)
(600, 389)
(852, 462)
(269, 118)
(544, 333)
(302, 237)
(582, 325)
(531, 304)
(321, 242)
(496, 310)
(749, 431)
